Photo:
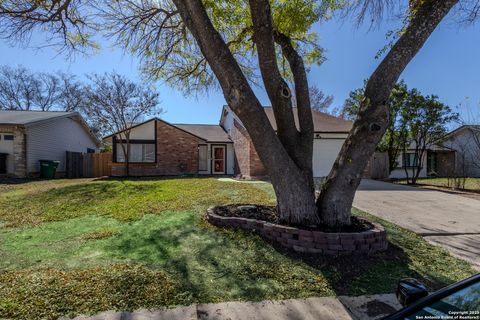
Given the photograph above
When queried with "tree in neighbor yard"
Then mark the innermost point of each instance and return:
(195, 43)
(425, 121)
(319, 101)
(415, 120)
(22, 89)
(115, 104)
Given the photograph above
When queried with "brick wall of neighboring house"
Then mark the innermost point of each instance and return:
(19, 150)
(256, 166)
(248, 163)
(241, 144)
(177, 153)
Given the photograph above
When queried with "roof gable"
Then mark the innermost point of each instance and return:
(154, 119)
(461, 129)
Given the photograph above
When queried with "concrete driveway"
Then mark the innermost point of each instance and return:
(444, 219)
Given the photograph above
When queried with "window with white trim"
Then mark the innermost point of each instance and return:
(410, 160)
(139, 152)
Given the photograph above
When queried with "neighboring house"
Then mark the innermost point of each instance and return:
(407, 161)
(463, 145)
(456, 154)
(161, 148)
(29, 136)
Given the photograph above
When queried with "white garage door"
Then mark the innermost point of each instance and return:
(6, 146)
(325, 152)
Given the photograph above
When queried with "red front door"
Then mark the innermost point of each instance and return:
(218, 159)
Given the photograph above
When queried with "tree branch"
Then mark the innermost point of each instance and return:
(238, 93)
(277, 88)
(421, 26)
(302, 94)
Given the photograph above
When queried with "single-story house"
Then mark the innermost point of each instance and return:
(456, 154)
(29, 136)
(161, 148)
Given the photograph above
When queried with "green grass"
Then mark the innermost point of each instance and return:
(84, 246)
(470, 183)
(125, 200)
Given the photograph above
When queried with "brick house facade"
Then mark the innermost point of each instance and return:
(17, 165)
(248, 162)
(162, 148)
(176, 153)
(159, 148)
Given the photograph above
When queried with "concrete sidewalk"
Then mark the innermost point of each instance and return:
(325, 308)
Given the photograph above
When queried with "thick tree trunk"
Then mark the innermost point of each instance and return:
(295, 197)
(336, 198)
(288, 168)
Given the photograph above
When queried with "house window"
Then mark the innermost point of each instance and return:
(8, 137)
(202, 158)
(139, 152)
(410, 160)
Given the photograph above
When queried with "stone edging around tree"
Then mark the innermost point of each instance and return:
(300, 240)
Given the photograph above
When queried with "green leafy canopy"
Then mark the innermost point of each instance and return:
(154, 31)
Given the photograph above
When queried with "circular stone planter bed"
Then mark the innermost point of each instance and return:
(362, 237)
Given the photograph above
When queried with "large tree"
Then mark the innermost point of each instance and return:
(192, 43)
(425, 121)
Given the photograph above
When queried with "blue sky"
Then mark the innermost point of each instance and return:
(448, 65)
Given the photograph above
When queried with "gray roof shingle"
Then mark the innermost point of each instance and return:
(9, 117)
(322, 122)
(209, 132)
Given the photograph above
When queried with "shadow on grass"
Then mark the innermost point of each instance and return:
(15, 181)
(161, 178)
(212, 264)
(360, 274)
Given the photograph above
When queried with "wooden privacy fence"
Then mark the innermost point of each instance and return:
(88, 165)
(377, 167)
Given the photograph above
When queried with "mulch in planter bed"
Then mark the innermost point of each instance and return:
(269, 214)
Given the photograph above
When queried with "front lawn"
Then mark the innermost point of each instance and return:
(84, 246)
(471, 184)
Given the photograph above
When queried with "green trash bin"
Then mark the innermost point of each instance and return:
(48, 168)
